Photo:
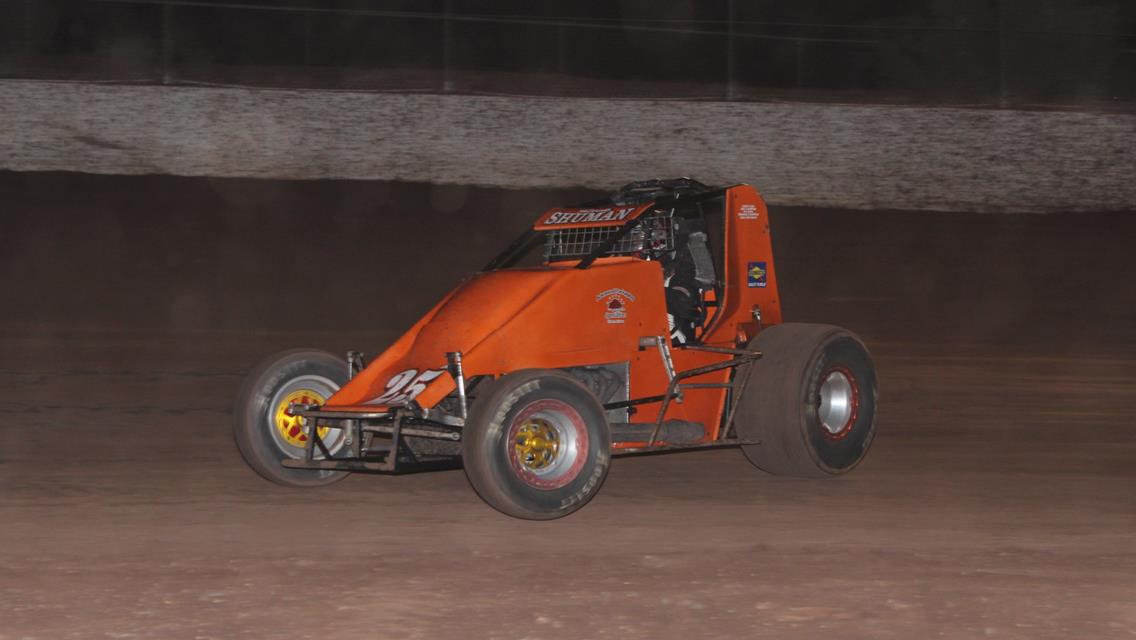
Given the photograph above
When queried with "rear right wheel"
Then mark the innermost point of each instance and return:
(810, 400)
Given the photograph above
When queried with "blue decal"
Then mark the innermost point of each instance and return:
(756, 274)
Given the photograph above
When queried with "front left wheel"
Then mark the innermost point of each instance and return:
(264, 426)
(537, 445)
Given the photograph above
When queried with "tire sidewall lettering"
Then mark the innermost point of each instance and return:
(589, 486)
(492, 447)
(497, 423)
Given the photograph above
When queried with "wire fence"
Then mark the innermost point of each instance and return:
(1006, 53)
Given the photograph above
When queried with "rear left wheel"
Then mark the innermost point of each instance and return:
(536, 445)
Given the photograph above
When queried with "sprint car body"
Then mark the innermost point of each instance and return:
(560, 315)
(626, 325)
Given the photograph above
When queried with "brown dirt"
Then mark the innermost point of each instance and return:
(999, 499)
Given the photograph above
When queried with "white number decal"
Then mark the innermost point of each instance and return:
(404, 387)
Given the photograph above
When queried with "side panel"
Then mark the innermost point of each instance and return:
(504, 321)
(750, 281)
(750, 278)
(649, 378)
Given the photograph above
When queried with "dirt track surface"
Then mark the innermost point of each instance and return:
(999, 499)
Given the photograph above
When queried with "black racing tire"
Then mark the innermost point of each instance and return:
(506, 452)
(264, 438)
(810, 401)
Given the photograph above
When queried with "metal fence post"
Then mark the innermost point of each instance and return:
(447, 81)
(1002, 98)
(560, 66)
(307, 38)
(731, 90)
(167, 45)
(28, 27)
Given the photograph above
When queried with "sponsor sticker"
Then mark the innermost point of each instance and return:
(756, 274)
(615, 303)
(747, 212)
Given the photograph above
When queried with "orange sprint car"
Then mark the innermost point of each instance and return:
(648, 321)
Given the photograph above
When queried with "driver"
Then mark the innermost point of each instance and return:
(683, 293)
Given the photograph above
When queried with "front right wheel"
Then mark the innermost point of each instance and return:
(810, 401)
(536, 445)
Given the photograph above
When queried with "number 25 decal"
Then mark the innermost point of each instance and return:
(404, 387)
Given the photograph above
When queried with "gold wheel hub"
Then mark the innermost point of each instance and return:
(291, 427)
(537, 443)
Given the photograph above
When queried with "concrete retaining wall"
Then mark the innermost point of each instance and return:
(853, 156)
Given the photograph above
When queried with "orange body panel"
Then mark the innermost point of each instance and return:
(557, 316)
(747, 242)
(513, 319)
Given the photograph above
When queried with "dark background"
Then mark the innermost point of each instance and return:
(245, 255)
(981, 52)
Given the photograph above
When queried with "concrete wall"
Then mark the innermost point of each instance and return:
(852, 156)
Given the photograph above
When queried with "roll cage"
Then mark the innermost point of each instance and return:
(681, 197)
(701, 207)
